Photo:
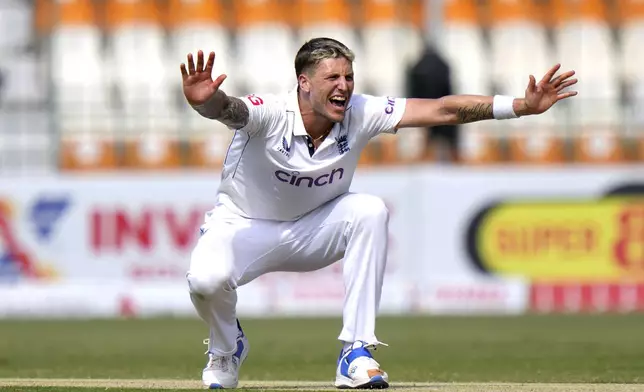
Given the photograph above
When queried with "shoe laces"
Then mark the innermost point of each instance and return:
(369, 346)
(220, 363)
(374, 346)
(361, 344)
(217, 362)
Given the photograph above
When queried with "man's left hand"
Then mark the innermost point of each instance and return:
(539, 97)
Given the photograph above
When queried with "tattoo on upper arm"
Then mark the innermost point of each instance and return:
(235, 113)
(478, 112)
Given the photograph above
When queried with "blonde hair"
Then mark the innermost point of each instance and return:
(319, 49)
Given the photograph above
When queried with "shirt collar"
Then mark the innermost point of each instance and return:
(292, 105)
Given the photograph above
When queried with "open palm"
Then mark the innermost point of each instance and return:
(198, 85)
(541, 96)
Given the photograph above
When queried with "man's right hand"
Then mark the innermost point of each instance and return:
(198, 85)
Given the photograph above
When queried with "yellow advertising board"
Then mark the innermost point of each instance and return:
(590, 240)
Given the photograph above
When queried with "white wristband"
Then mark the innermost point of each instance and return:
(503, 107)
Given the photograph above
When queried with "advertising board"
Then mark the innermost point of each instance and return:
(461, 241)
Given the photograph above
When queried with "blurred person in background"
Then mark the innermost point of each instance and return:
(430, 78)
(284, 202)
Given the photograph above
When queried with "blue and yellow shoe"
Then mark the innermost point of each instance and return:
(358, 370)
(223, 372)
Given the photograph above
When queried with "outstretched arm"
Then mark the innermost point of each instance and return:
(204, 95)
(453, 109)
(463, 109)
(231, 111)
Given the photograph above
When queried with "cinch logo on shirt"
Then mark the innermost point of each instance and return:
(295, 179)
(390, 105)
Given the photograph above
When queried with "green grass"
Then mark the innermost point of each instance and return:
(567, 349)
(67, 389)
(102, 389)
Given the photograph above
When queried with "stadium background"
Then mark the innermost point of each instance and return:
(107, 172)
(105, 175)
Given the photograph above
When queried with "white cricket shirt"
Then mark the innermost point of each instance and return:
(270, 171)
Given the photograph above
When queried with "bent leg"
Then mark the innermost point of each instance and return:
(209, 284)
(228, 244)
(365, 260)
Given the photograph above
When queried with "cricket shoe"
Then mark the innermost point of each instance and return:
(223, 372)
(358, 370)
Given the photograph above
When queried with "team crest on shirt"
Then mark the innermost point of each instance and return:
(285, 149)
(343, 144)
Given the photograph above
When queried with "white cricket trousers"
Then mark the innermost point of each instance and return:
(234, 250)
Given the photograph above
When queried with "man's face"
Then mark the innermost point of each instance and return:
(330, 86)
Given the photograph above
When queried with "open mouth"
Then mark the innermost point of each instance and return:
(338, 102)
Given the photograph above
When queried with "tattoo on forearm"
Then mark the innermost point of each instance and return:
(474, 113)
(235, 113)
(230, 111)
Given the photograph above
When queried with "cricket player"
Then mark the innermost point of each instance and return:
(284, 202)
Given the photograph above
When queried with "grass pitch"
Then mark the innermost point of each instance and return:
(182, 386)
(526, 353)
